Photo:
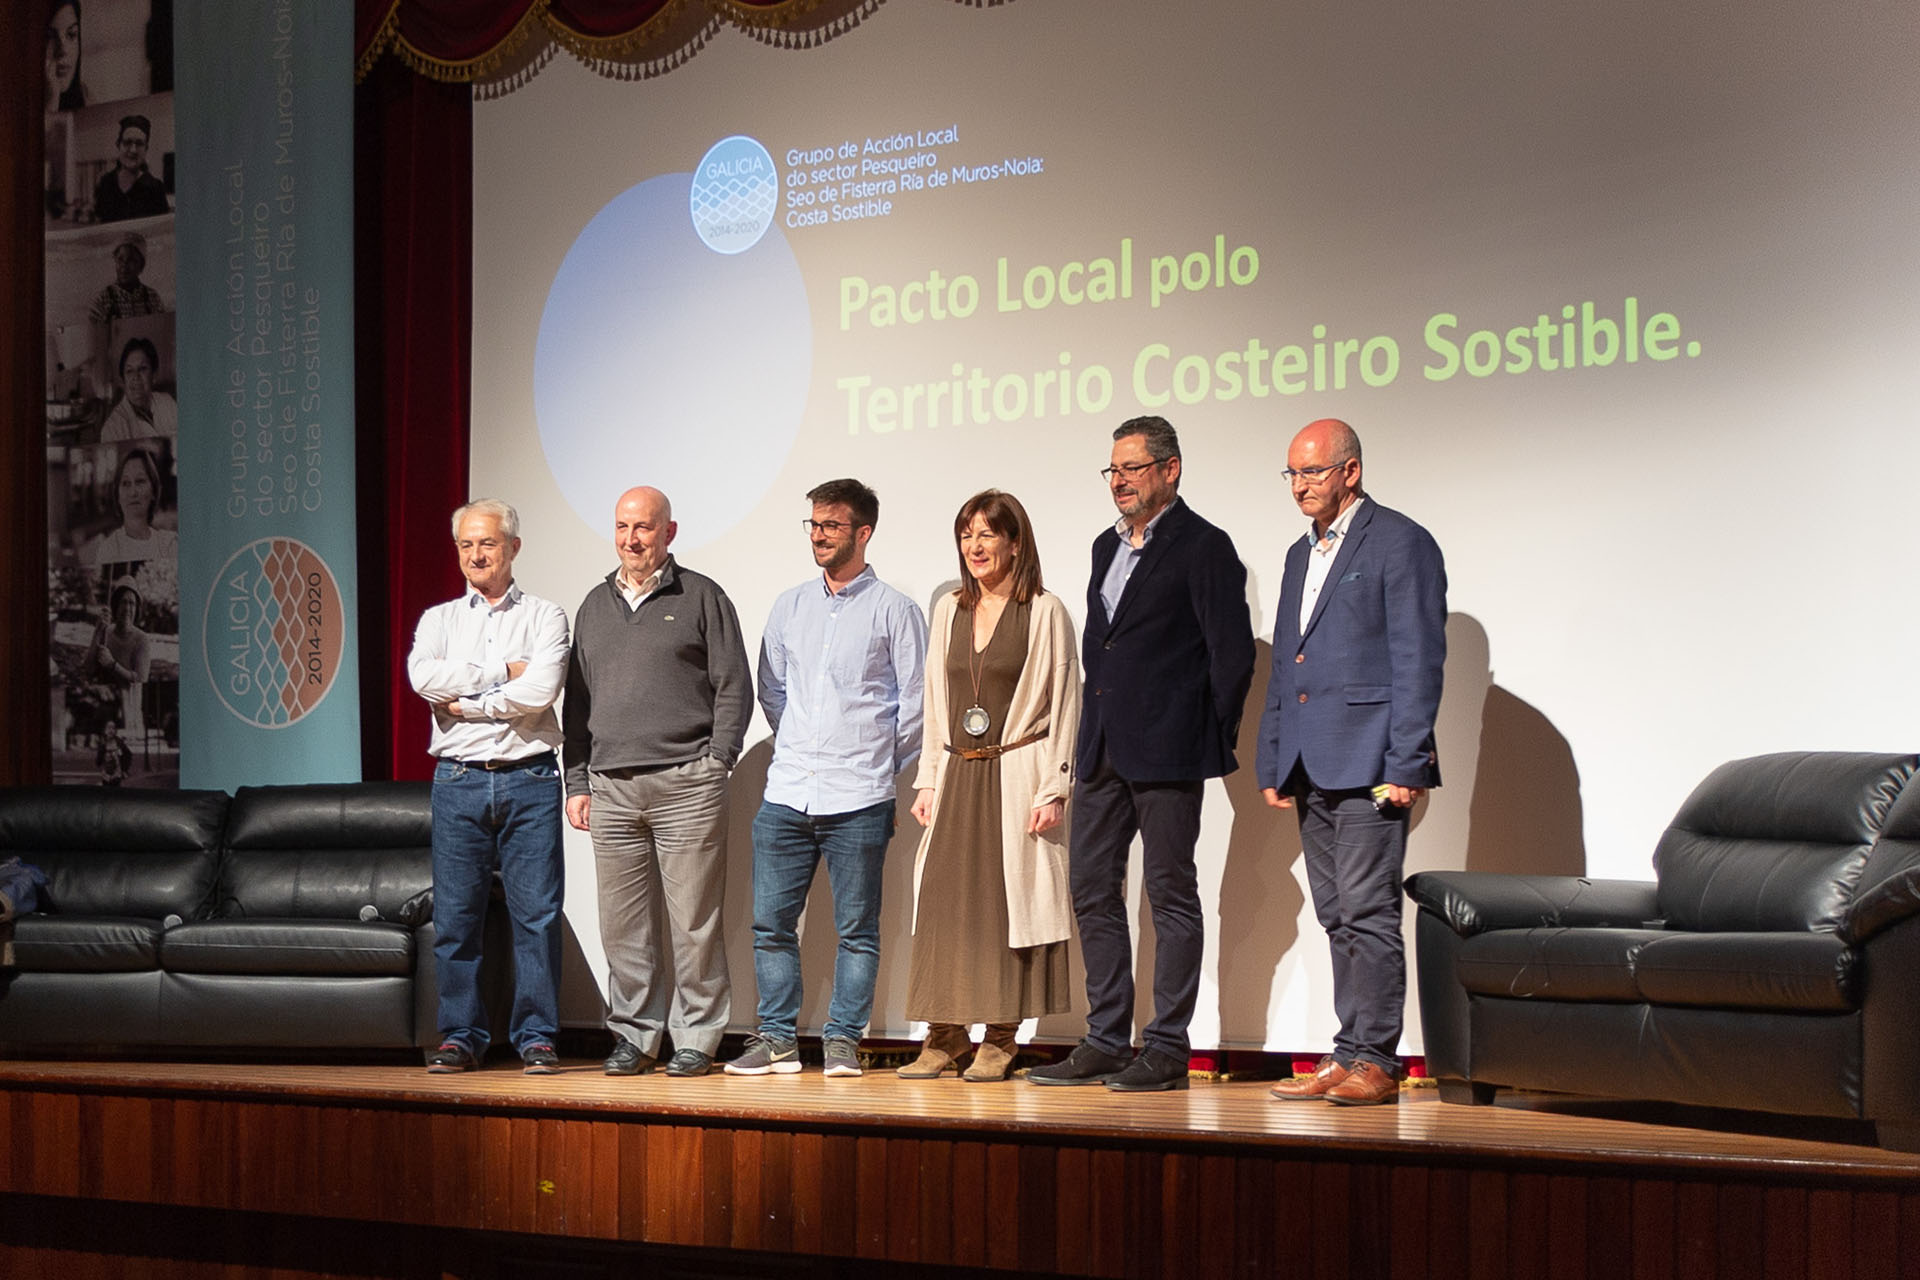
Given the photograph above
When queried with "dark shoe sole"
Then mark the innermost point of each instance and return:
(1157, 1086)
(450, 1068)
(1387, 1101)
(541, 1069)
(1068, 1080)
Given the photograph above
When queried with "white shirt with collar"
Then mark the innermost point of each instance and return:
(460, 653)
(1320, 557)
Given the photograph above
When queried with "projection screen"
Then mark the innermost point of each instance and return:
(1623, 300)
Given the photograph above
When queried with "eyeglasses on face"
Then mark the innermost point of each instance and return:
(1311, 474)
(832, 528)
(1127, 470)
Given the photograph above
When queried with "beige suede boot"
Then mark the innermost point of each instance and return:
(945, 1042)
(994, 1058)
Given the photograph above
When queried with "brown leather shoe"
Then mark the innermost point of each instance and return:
(1367, 1084)
(1310, 1088)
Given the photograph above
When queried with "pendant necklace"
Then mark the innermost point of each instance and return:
(975, 719)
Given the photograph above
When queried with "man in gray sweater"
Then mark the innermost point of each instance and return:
(658, 699)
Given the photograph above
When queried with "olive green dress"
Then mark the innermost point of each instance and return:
(962, 969)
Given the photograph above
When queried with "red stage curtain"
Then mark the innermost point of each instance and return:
(413, 237)
(23, 413)
(465, 41)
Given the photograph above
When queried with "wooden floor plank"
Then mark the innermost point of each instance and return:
(1232, 1112)
(1218, 1177)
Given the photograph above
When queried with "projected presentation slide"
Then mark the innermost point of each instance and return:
(1622, 301)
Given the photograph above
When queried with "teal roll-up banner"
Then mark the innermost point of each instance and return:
(268, 608)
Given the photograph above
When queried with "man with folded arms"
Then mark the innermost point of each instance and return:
(491, 664)
(841, 667)
(658, 699)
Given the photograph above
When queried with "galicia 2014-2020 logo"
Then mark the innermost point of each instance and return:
(273, 632)
(736, 191)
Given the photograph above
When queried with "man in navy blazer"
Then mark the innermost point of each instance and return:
(1167, 656)
(1359, 644)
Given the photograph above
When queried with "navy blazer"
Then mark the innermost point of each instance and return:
(1354, 699)
(1167, 675)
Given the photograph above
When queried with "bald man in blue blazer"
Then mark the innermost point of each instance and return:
(1347, 739)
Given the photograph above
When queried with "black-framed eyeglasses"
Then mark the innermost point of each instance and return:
(832, 528)
(1310, 474)
(1127, 469)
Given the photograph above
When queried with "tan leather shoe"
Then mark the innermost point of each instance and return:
(1311, 1088)
(1368, 1084)
(990, 1063)
(945, 1042)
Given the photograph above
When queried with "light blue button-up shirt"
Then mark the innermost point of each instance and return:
(1120, 568)
(840, 681)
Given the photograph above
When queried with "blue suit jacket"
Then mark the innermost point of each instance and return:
(1354, 698)
(1167, 674)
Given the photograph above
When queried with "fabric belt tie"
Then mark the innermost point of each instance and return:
(505, 766)
(994, 753)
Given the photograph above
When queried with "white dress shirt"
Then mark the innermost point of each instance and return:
(1320, 560)
(460, 653)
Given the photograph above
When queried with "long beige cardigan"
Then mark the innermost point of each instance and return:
(1047, 696)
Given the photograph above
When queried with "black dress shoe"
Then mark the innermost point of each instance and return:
(451, 1056)
(689, 1062)
(1151, 1072)
(627, 1060)
(1085, 1065)
(539, 1059)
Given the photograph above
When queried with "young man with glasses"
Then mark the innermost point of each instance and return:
(842, 660)
(1168, 658)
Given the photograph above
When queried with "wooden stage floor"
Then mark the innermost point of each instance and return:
(801, 1175)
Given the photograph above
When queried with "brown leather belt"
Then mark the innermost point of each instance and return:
(994, 753)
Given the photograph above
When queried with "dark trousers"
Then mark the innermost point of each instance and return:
(1354, 855)
(1108, 811)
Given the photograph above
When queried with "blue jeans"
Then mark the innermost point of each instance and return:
(787, 846)
(509, 818)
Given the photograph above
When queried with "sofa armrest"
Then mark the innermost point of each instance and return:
(1473, 902)
(1888, 892)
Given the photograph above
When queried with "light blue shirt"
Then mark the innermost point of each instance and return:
(1121, 566)
(840, 681)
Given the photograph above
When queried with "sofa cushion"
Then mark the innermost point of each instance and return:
(327, 851)
(1793, 972)
(1552, 964)
(312, 948)
(116, 852)
(1776, 842)
(85, 944)
(1890, 887)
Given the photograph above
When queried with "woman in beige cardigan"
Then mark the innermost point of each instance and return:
(992, 910)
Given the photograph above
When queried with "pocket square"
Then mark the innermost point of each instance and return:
(1355, 576)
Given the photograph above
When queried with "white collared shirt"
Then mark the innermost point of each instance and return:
(635, 595)
(460, 653)
(1320, 559)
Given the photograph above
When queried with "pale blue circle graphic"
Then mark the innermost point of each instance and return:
(736, 191)
(660, 363)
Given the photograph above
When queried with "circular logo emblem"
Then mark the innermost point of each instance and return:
(735, 193)
(273, 632)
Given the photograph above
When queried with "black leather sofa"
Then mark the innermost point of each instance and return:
(284, 917)
(1772, 965)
